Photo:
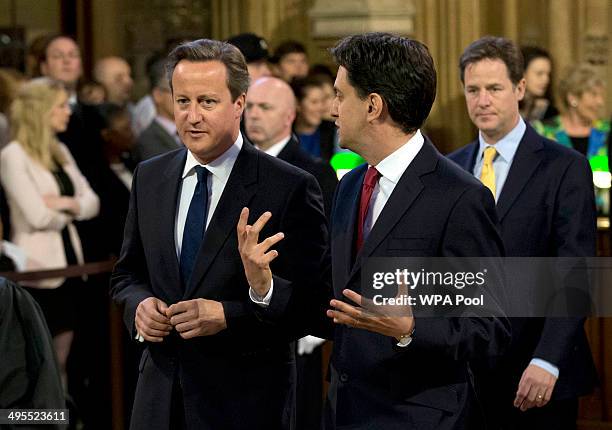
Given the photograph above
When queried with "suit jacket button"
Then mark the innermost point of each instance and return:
(344, 377)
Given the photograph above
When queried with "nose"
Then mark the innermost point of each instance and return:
(193, 114)
(484, 98)
(334, 108)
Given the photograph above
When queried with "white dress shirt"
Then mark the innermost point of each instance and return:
(275, 149)
(219, 172)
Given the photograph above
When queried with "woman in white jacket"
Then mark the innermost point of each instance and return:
(46, 192)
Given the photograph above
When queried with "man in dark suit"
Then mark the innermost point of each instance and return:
(209, 362)
(160, 136)
(391, 372)
(270, 111)
(545, 204)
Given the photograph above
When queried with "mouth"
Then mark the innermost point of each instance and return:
(195, 133)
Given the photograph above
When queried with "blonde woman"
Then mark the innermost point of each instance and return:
(46, 192)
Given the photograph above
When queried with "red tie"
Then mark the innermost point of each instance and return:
(369, 182)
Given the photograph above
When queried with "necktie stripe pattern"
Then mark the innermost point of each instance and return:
(195, 224)
(487, 176)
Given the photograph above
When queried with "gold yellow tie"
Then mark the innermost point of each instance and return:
(487, 176)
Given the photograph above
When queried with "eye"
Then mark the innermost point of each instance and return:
(182, 101)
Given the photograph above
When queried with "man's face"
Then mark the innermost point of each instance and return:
(117, 80)
(293, 65)
(207, 119)
(269, 113)
(350, 113)
(491, 98)
(164, 103)
(63, 61)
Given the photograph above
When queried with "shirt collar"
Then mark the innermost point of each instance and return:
(220, 167)
(506, 147)
(166, 124)
(394, 165)
(275, 149)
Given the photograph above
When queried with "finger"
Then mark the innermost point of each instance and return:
(547, 396)
(270, 242)
(521, 394)
(353, 296)
(186, 326)
(347, 309)
(342, 318)
(178, 308)
(183, 317)
(154, 315)
(541, 398)
(150, 323)
(252, 236)
(529, 398)
(162, 307)
(241, 226)
(268, 257)
(154, 333)
(191, 334)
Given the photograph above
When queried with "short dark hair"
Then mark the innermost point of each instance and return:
(286, 48)
(213, 50)
(494, 48)
(300, 86)
(399, 69)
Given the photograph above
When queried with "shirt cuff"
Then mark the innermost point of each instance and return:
(550, 368)
(264, 302)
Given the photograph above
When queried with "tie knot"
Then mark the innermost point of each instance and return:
(202, 173)
(489, 154)
(371, 178)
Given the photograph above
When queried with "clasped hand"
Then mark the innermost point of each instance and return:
(191, 318)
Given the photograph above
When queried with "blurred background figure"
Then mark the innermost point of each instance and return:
(255, 51)
(290, 61)
(144, 111)
(316, 135)
(160, 136)
(61, 60)
(91, 92)
(538, 101)
(115, 181)
(326, 77)
(580, 125)
(10, 82)
(46, 192)
(115, 74)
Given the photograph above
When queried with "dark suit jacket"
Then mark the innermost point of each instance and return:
(29, 376)
(435, 210)
(154, 140)
(243, 377)
(322, 171)
(546, 208)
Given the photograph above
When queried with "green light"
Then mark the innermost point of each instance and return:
(599, 163)
(347, 161)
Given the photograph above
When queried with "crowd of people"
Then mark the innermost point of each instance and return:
(77, 187)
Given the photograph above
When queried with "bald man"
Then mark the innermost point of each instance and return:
(115, 74)
(270, 111)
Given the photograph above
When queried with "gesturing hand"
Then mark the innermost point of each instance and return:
(197, 317)
(151, 321)
(256, 257)
(388, 320)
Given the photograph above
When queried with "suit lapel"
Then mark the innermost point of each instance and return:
(240, 188)
(405, 193)
(169, 189)
(344, 223)
(524, 165)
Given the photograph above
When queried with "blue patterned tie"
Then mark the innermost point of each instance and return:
(195, 225)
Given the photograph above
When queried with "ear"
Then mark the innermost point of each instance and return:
(375, 106)
(520, 89)
(239, 105)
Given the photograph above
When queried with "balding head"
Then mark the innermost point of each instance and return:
(270, 111)
(115, 74)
